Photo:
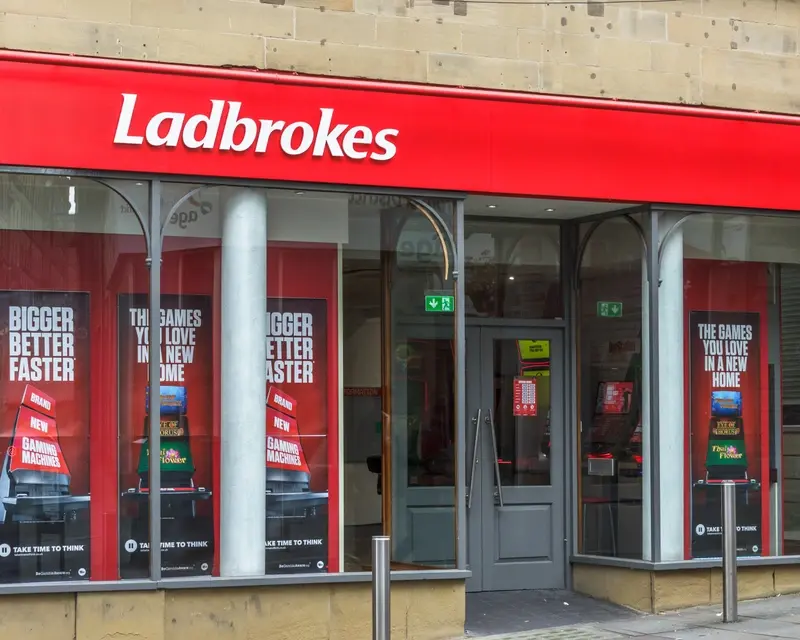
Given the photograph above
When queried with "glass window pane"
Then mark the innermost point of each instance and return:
(184, 400)
(68, 247)
(740, 305)
(522, 411)
(399, 377)
(610, 367)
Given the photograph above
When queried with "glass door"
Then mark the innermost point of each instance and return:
(515, 458)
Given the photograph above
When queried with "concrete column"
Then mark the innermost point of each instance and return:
(671, 348)
(244, 382)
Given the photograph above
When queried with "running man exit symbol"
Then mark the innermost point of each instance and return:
(609, 309)
(439, 304)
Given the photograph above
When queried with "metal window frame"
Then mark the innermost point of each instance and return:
(655, 243)
(153, 225)
(645, 235)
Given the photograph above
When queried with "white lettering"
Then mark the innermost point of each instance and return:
(328, 137)
(42, 402)
(306, 138)
(232, 123)
(122, 136)
(212, 127)
(173, 135)
(384, 140)
(241, 134)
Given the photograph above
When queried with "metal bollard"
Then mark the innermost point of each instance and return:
(381, 584)
(730, 588)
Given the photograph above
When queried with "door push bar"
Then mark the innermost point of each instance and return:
(498, 490)
(498, 483)
(477, 422)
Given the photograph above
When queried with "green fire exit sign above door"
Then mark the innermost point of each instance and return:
(609, 309)
(440, 304)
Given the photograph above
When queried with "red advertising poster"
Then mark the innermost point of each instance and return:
(45, 424)
(525, 401)
(297, 435)
(184, 403)
(726, 402)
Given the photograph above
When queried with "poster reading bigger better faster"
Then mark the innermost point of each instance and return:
(296, 431)
(44, 436)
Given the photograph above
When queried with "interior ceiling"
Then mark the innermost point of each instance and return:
(494, 206)
(537, 207)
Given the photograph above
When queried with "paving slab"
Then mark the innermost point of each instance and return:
(571, 632)
(515, 611)
(723, 633)
(759, 619)
(651, 625)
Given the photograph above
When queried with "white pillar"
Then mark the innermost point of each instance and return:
(244, 382)
(671, 348)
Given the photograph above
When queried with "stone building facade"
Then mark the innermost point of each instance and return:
(726, 53)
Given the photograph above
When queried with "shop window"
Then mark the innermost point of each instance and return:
(187, 399)
(741, 278)
(399, 382)
(358, 433)
(610, 389)
(69, 247)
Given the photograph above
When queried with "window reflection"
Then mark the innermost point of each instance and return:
(610, 335)
(399, 378)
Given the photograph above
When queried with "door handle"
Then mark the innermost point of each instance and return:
(490, 421)
(477, 421)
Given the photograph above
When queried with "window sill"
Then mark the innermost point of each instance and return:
(682, 565)
(214, 583)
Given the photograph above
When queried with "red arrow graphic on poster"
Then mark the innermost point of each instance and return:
(281, 402)
(35, 446)
(284, 450)
(39, 401)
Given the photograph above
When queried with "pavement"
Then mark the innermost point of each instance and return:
(777, 617)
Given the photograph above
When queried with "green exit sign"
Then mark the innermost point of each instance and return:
(609, 309)
(440, 304)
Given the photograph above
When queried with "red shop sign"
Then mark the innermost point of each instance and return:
(66, 112)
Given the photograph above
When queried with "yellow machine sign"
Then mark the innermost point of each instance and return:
(533, 349)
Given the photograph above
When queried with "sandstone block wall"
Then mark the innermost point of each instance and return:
(730, 53)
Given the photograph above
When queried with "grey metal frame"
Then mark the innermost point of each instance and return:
(461, 394)
(154, 359)
(654, 269)
(654, 282)
(153, 224)
(651, 257)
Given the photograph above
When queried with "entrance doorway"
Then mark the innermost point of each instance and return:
(515, 458)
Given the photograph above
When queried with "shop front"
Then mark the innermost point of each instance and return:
(372, 308)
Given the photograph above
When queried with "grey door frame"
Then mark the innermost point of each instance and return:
(439, 501)
(480, 492)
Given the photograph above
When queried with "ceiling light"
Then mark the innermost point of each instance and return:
(491, 206)
(549, 210)
(510, 277)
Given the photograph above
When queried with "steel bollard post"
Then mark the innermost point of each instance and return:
(381, 583)
(730, 587)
